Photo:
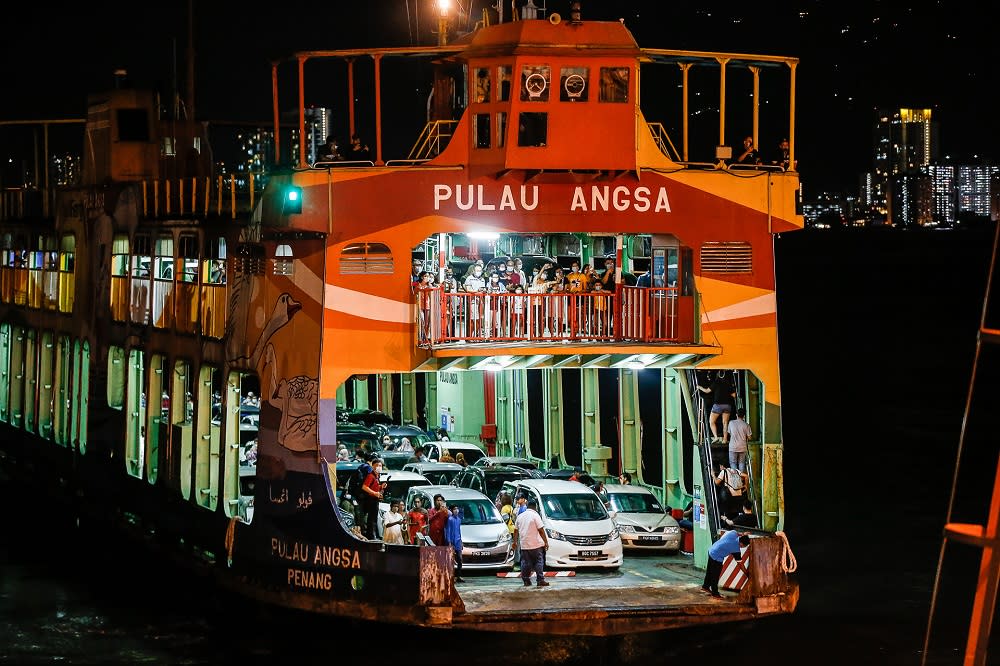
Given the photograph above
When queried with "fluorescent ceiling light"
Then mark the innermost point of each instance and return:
(483, 235)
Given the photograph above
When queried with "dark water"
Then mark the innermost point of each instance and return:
(878, 335)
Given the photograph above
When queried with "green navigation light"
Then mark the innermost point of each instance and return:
(292, 203)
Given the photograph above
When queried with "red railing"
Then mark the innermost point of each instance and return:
(631, 314)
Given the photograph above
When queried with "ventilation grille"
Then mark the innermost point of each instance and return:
(726, 257)
(366, 259)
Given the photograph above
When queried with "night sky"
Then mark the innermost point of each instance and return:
(854, 58)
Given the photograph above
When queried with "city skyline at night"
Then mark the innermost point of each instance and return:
(853, 62)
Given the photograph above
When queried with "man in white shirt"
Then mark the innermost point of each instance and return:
(530, 533)
(392, 524)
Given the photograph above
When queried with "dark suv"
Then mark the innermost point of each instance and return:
(489, 480)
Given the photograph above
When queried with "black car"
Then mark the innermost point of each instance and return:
(358, 438)
(509, 461)
(391, 438)
(565, 474)
(366, 417)
(439, 473)
(489, 480)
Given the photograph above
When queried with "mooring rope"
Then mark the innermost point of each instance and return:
(788, 562)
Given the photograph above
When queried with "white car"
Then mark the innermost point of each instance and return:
(580, 530)
(642, 519)
(486, 541)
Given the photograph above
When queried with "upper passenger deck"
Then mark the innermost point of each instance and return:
(539, 95)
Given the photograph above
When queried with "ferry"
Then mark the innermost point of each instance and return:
(180, 348)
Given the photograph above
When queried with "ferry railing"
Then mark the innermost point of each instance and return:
(646, 314)
(433, 139)
(227, 195)
(662, 139)
(221, 196)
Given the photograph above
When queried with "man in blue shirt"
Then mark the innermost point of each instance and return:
(453, 537)
(728, 544)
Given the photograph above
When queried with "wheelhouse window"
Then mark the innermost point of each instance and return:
(133, 125)
(614, 84)
(535, 83)
(366, 259)
(574, 84)
(503, 82)
(501, 129)
(532, 129)
(482, 130)
(481, 86)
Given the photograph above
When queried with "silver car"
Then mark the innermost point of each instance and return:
(642, 519)
(486, 541)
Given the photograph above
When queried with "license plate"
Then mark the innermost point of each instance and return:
(479, 553)
(649, 538)
(590, 553)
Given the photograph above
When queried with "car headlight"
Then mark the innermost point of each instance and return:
(627, 529)
(505, 537)
(614, 534)
(672, 530)
(554, 535)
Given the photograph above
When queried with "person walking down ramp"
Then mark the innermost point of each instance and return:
(530, 533)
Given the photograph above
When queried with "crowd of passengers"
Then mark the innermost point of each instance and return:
(589, 314)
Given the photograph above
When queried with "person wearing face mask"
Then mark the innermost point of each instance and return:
(475, 283)
(371, 492)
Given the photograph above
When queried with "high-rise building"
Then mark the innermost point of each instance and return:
(905, 141)
(972, 189)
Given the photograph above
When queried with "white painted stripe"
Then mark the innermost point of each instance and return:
(367, 306)
(761, 305)
(547, 574)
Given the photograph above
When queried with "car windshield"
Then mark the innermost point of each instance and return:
(494, 482)
(578, 506)
(397, 489)
(355, 440)
(635, 503)
(442, 477)
(477, 512)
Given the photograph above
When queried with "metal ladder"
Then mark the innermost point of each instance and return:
(986, 537)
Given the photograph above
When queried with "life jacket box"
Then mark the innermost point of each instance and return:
(735, 573)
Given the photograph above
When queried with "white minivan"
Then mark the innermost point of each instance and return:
(580, 530)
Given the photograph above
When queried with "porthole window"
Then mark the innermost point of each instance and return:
(535, 83)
